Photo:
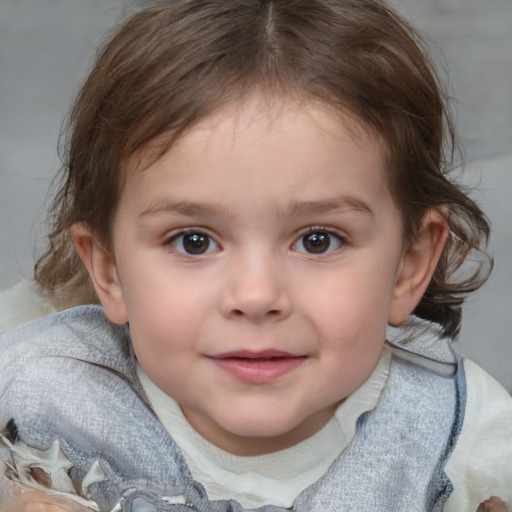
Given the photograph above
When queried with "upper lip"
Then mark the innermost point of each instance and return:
(250, 354)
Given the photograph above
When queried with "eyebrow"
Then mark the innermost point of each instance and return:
(185, 208)
(299, 208)
(338, 204)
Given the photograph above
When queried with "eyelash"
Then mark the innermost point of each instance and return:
(200, 236)
(323, 242)
(328, 235)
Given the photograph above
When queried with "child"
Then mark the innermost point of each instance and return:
(256, 189)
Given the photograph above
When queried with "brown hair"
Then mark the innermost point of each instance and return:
(178, 61)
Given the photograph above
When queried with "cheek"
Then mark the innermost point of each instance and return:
(167, 319)
(353, 295)
(349, 315)
(156, 291)
(163, 346)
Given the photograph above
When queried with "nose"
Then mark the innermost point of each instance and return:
(256, 289)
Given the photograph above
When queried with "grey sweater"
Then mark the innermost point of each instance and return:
(70, 396)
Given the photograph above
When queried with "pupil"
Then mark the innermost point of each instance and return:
(196, 243)
(317, 242)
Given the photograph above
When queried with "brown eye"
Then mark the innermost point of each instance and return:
(318, 242)
(194, 243)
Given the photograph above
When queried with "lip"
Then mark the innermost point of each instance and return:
(260, 367)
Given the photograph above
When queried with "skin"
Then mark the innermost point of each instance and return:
(37, 501)
(270, 178)
(256, 181)
(493, 504)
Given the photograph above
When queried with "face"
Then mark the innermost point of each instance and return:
(257, 263)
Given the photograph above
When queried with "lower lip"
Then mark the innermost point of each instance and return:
(259, 371)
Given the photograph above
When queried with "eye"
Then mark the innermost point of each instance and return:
(318, 241)
(193, 243)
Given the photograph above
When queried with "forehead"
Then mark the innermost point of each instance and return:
(257, 108)
(276, 114)
(293, 145)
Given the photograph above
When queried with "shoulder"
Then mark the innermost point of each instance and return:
(71, 379)
(81, 334)
(70, 332)
(481, 463)
(42, 358)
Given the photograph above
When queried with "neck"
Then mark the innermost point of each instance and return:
(249, 446)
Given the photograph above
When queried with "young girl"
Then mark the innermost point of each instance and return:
(256, 190)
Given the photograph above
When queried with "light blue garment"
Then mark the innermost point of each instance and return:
(72, 377)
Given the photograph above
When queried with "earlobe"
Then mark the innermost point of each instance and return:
(102, 269)
(418, 265)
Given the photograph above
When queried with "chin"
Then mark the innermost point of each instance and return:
(261, 426)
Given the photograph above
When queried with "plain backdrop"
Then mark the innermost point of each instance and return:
(46, 48)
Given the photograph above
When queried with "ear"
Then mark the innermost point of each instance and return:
(418, 265)
(102, 269)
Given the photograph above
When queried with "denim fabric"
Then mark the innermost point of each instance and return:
(71, 377)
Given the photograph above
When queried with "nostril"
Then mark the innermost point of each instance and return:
(269, 314)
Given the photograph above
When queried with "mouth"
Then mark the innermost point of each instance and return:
(260, 367)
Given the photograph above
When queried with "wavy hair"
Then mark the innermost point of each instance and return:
(176, 62)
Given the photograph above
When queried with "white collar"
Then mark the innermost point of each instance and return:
(276, 478)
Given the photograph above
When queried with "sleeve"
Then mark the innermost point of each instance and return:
(481, 463)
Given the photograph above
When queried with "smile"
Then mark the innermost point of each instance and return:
(258, 367)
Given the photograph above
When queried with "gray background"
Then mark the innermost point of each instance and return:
(46, 47)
